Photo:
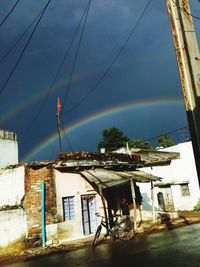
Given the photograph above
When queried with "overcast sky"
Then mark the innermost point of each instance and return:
(141, 94)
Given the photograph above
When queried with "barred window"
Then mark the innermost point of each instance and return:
(68, 208)
(185, 190)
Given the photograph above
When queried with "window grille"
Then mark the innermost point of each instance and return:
(185, 190)
(68, 208)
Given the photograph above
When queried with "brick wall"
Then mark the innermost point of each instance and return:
(32, 201)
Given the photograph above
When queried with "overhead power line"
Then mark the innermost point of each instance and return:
(22, 52)
(68, 141)
(174, 131)
(185, 11)
(73, 67)
(9, 13)
(20, 38)
(108, 69)
(32, 122)
(76, 56)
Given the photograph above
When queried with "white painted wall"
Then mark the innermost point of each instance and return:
(11, 186)
(8, 152)
(70, 184)
(180, 170)
(12, 226)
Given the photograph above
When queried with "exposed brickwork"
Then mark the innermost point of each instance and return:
(32, 200)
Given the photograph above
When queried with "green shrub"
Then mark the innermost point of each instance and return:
(197, 206)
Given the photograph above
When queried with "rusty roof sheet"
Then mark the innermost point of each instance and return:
(82, 155)
(139, 158)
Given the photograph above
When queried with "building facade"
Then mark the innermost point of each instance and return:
(8, 148)
(77, 185)
(179, 188)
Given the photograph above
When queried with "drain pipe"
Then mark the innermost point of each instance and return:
(43, 215)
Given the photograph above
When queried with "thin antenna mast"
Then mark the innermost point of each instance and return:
(58, 122)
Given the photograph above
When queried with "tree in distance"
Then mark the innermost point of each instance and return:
(113, 138)
(139, 143)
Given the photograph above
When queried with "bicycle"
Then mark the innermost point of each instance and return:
(122, 229)
(125, 229)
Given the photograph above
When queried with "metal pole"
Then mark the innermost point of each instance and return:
(187, 53)
(43, 215)
(59, 134)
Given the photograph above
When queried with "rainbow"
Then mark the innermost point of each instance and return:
(98, 115)
(31, 99)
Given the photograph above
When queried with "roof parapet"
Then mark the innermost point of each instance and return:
(4, 134)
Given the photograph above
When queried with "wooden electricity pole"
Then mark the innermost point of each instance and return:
(187, 53)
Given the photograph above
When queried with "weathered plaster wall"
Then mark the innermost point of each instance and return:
(70, 184)
(12, 226)
(180, 170)
(32, 201)
(11, 186)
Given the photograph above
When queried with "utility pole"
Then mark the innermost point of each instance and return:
(187, 53)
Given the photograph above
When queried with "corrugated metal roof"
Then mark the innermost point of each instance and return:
(139, 176)
(104, 178)
(107, 178)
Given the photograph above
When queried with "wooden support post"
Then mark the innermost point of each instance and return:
(104, 207)
(134, 204)
(153, 202)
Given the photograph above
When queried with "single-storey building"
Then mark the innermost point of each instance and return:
(57, 200)
(179, 188)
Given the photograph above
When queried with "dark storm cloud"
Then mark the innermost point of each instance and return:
(145, 69)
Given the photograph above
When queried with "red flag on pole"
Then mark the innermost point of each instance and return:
(59, 105)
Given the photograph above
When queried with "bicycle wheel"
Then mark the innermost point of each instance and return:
(125, 232)
(114, 233)
(97, 234)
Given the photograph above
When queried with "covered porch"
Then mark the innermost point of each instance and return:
(115, 185)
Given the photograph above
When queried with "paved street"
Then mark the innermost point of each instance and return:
(178, 247)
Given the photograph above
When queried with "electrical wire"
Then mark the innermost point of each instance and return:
(19, 39)
(113, 61)
(73, 67)
(68, 141)
(22, 52)
(32, 122)
(192, 15)
(173, 131)
(9, 13)
(76, 57)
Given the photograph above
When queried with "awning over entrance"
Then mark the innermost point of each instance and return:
(107, 178)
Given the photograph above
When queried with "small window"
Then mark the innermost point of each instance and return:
(185, 190)
(68, 208)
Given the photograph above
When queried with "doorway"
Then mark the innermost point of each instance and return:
(88, 203)
(165, 199)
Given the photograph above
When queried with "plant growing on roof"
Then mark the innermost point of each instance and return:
(165, 141)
